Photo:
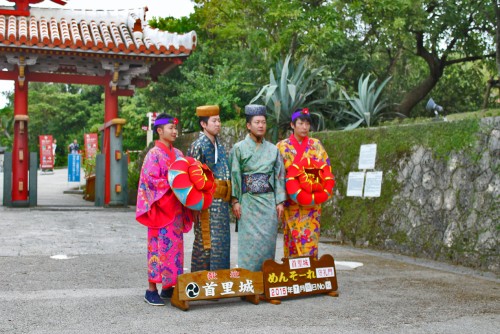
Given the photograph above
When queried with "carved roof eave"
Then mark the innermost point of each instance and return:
(150, 66)
(93, 53)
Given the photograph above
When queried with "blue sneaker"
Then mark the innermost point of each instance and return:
(153, 298)
(167, 293)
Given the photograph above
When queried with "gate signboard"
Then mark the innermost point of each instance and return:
(299, 277)
(90, 143)
(46, 153)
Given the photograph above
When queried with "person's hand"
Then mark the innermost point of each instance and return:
(237, 210)
(280, 208)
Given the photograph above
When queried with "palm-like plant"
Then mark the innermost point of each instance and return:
(287, 91)
(367, 109)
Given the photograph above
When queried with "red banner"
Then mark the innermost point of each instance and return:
(46, 152)
(90, 142)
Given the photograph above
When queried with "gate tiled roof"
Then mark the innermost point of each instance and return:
(88, 43)
(119, 32)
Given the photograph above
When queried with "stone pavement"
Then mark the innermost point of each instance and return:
(68, 267)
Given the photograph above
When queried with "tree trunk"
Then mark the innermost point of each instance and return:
(415, 95)
(436, 67)
(487, 94)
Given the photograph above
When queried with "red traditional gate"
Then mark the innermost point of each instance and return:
(112, 48)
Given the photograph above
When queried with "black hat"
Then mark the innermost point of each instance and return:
(255, 110)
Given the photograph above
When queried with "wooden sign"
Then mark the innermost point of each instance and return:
(227, 283)
(300, 276)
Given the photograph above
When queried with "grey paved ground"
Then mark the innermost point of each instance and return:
(99, 288)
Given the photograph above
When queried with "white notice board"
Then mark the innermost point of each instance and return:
(355, 184)
(373, 184)
(367, 155)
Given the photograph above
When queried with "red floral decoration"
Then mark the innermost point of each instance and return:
(192, 183)
(309, 182)
(175, 121)
(305, 111)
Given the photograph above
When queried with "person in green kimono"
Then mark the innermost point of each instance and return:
(258, 191)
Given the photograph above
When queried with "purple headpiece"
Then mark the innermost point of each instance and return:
(300, 112)
(169, 120)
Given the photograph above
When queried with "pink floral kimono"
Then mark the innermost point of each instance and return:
(166, 218)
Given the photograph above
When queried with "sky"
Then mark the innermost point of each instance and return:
(158, 8)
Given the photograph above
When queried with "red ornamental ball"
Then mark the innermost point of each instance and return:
(309, 182)
(192, 183)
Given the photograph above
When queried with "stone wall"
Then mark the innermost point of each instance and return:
(449, 209)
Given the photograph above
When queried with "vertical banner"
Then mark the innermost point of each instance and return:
(74, 164)
(151, 121)
(90, 142)
(46, 153)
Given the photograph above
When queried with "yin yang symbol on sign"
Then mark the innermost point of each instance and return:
(192, 290)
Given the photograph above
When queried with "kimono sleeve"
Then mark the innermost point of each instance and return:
(234, 165)
(195, 151)
(152, 185)
(279, 179)
(322, 154)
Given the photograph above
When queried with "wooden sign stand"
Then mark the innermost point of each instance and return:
(217, 284)
(299, 276)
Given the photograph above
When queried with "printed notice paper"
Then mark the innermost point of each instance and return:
(367, 154)
(373, 184)
(355, 184)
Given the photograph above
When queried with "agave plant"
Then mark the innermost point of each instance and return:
(367, 109)
(288, 90)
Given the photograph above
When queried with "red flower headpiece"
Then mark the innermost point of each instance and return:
(192, 183)
(300, 112)
(309, 182)
(169, 120)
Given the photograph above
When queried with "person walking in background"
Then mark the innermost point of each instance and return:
(258, 191)
(214, 222)
(54, 146)
(74, 148)
(160, 210)
(301, 228)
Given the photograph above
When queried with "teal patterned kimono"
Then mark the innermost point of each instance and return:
(258, 226)
(217, 258)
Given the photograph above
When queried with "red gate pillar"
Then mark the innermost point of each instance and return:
(110, 112)
(20, 150)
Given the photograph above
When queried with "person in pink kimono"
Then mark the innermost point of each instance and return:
(165, 217)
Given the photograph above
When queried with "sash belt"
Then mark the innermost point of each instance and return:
(222, 190)
(257, 183)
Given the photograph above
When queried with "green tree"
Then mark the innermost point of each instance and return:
(439, 33)
(216, 73)
(64, 111)
(6, 126)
